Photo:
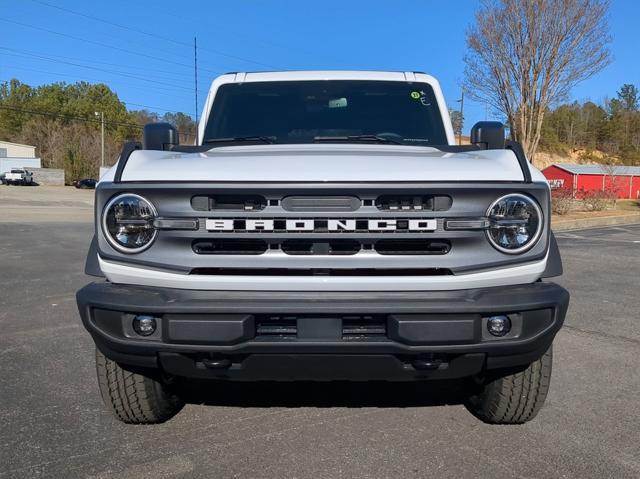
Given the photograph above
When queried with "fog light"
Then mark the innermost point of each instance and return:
(144, 325)
(499, 325)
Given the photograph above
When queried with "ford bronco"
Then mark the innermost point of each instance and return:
(324, 226)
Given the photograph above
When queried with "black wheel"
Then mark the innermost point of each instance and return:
(132, 397)
(514, 398)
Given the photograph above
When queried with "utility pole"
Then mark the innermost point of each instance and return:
(461, 101)
(101, 114)
(195, 78)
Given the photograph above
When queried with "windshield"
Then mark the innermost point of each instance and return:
(327, 111)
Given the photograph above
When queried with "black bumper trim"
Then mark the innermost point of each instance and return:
(419, 325)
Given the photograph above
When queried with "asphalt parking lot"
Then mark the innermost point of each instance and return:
(53, 423)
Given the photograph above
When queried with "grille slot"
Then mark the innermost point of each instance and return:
(323, 272)
(354, 328)
(363, 327)
(311, 247)
(230, 246)
(321, 203)
(412, 247)
(276, 326)
(228, 202)
(414, 202)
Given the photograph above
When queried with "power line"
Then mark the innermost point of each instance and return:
(68, 117)
(77, 118)
(105, 45)
(113, 72)
(56, 58)
(99, 80)
(149, 34)
(151, 107)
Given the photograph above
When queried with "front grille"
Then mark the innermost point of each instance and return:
(306, 229)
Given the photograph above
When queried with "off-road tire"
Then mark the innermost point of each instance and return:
(132, 397)
(514, 398)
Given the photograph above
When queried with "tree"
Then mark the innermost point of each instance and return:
(59, 118)
(628, 97)
(184, 123)
(456, 121)
(613, 128)
(526, 55)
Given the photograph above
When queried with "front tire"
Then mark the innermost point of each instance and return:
(515, 398)
(132, 397)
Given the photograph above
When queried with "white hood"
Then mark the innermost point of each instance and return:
(321, 163)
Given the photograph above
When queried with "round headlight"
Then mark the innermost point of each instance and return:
(127, 223)
(515, 223)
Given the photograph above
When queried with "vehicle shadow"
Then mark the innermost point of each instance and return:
(325, 394)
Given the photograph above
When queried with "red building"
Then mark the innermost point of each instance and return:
(624, 180)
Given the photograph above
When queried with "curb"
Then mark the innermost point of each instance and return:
(584, 223)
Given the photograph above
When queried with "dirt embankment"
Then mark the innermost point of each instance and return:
(578, 156)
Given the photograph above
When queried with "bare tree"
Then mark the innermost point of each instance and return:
(527, 54)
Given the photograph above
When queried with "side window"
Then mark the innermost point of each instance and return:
(3, 152)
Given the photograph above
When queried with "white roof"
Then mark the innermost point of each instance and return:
(15, 144)
(299, 75)
(616, 170)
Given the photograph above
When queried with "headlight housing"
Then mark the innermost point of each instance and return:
(516, 223)
(127, 222)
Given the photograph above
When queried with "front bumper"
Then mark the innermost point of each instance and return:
(323, 335)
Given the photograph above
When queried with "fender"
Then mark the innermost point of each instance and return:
(91, 265)
(554, 261)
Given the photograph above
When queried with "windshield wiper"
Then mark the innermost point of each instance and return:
(346, 139)
(240, 139)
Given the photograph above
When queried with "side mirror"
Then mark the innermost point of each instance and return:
(159, 136)
(488, 134)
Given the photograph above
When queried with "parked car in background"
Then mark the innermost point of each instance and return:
(86, 183)
(18, 176)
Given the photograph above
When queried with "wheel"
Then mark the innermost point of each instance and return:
(514, 398)
(132, 397)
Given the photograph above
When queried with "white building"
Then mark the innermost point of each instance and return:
(15, 155)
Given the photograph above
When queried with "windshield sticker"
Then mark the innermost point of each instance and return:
(338, 103)
(420, 95)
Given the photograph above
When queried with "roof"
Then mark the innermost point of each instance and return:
(16, 144)
(301, 75)
(617, 170)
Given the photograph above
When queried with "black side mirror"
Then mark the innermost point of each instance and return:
(488, 134)
(159, 136)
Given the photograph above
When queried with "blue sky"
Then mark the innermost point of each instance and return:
(248, 35)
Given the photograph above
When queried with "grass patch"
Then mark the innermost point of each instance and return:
(628, 205)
